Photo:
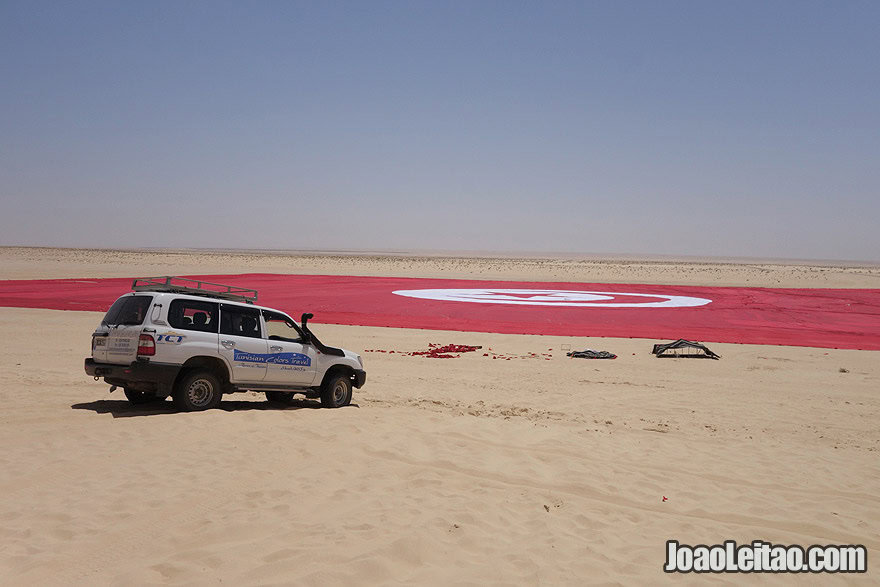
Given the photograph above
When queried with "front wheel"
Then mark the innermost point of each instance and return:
(137, 398)
(336, 393)
(199, 390)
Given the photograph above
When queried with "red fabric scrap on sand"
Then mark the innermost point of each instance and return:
(442, 352)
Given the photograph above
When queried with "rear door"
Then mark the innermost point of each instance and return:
(123, 326)
(242, 343)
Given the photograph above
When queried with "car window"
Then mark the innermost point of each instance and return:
(239, 321)
(127, 311)
(193, 315)
(280, 327)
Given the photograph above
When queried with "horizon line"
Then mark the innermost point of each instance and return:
(472, 254)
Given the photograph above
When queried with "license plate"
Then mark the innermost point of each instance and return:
(100, 341)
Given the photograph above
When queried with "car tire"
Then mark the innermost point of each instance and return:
(283, 398)
(336, 392)
(197, 391)
(138, 398)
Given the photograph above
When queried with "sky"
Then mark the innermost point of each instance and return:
(663, 128)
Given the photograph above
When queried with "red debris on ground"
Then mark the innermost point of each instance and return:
(443, 352)
(453, 351)
(435, 351)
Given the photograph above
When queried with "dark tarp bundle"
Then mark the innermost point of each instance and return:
(684, 348)
(591, 354)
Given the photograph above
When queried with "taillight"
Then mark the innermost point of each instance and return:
(146, 345)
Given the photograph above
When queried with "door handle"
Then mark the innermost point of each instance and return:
(276, 348)
(227, 344)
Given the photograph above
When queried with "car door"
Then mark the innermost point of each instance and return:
(242, 344)
(291, 362)
(116, 340)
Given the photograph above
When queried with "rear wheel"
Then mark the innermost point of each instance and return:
(280, 397)
(139, 397)
(336, 392)
(199, 390)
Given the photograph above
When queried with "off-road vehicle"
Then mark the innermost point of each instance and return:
(195, 341)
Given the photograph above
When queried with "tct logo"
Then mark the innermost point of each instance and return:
(556, 297)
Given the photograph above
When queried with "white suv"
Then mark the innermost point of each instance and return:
(195, 341)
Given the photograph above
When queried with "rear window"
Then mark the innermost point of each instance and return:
(193, 315)
(127, 311)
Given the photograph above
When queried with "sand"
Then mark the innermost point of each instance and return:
(45, 263)
(459, 471)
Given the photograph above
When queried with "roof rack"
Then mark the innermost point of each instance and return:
(196, 287)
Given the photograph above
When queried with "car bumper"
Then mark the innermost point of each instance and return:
(360, 377)
(139, 375)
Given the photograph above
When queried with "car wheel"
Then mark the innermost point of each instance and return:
(199, 390)
(280, 397)
(137, 398)
(336, 392)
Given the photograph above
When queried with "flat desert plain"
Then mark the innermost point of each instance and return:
(456, 471)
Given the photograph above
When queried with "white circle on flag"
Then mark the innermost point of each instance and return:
(554, 297)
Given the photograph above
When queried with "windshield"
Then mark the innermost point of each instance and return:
(127, 311)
